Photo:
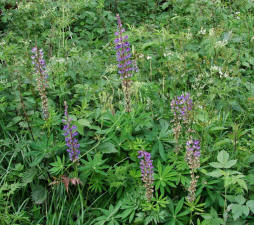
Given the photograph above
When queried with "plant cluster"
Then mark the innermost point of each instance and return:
(142, 120)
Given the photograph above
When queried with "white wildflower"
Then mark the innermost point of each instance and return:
(202, 31)
(211, 32)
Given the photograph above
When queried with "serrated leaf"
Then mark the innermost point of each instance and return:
(250, 204)
(39, 194)
(84, 123)
(242, 183)
(237, 211)
(107, 147)
(28, 176)
(229, 164)
(216, 165)
(246, 210)
(239, 199)
(215, 173)
(223, 157)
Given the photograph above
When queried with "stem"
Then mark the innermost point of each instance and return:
(69, 125)
(225, 204)
(24, 108)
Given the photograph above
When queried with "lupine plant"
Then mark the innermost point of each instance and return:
(41, 78)
(70, 133)
(181, 106)
(125, 64)
(146, 167)
(192, 157)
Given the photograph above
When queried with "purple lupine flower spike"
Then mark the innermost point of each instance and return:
(146, 167)
(123, 54)
(40, 69)
(181, 107)
(70, 133)
(126, 66)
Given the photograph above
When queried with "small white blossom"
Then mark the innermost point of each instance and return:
(211, 32)
(220, 44)
(141, 56)
(202, 31)
(167, 54)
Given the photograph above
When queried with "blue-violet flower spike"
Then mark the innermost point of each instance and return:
(70, 134)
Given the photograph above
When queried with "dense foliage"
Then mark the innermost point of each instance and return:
(82, 144)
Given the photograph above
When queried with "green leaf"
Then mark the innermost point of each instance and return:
(250, 204)
(162, 151)
(39, 157)
(223, 157)
(217, 128)
(239, 199)
(215, 173)
(39, 194)
(242, 183)
(28, 176)
(229, 164)
(202, 116)
(107, 147)
(165, 5)
(84, 123)
(222, 142)
(179, 205)
(246, 210)
(216, 165)
(14, 121)
(237, 211)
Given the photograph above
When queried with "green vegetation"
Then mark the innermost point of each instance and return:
(196, 155)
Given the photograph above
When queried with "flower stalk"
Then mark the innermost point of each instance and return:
(40, 69)
(146, 167)
(125, 64)
(193, 159)
(70, 133)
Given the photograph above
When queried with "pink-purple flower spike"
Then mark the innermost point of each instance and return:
(70, 133)
(146, 167)
(40, 69)
(39, 63)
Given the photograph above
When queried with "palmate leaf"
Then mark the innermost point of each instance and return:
(110, 216)
(165, 177)
(177, 217)
(97, 165)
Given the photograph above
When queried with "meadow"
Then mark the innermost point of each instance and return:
(117, 112)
